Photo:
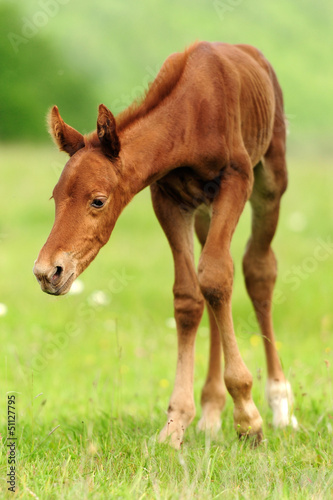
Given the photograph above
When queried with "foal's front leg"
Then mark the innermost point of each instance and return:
(188, 306)
(216, 279)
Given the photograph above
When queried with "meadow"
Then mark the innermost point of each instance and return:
(93, 371)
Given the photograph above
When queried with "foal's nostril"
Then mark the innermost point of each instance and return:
(57, 275)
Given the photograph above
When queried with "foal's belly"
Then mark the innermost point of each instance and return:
(188, 189)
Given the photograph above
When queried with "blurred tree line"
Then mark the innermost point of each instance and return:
(77, 54)
(35, 76)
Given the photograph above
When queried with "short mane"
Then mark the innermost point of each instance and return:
(166, 80)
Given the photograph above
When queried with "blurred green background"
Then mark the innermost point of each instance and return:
(77, 54)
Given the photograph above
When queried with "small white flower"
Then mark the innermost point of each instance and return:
(3, 309)
(297, 222)
(77, 287)
(171, 323)
(99, 298)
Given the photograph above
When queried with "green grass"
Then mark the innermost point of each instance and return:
(100, 377)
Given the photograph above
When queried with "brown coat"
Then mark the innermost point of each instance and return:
(208, 135)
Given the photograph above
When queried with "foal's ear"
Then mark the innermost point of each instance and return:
(66, 138)
(107, 133)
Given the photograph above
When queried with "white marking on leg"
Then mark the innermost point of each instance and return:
(280, 398)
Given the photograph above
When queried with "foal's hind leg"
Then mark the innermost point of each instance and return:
(260, 270)
(213, 394)
(188, 305)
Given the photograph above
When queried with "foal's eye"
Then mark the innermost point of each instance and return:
(98, 203)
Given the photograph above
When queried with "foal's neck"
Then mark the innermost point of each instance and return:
(150, 148)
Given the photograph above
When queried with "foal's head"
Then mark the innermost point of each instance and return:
(88, 199)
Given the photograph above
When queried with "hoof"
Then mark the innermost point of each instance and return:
(210, 421)
(254, 439)
(172, 434)
(248, 422)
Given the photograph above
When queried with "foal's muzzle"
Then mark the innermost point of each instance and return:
(55, 278)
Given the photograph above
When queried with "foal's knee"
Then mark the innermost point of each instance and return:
(188, 306)
(260, 271)
(216, 280)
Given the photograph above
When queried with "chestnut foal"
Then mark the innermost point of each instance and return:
(208, 135)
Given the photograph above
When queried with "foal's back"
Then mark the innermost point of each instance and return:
(244, 89)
